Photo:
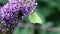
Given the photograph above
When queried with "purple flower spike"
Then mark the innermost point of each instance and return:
(14, 10)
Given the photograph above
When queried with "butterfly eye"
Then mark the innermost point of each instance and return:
(32, 12)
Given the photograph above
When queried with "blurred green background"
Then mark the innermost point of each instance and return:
(46, 14)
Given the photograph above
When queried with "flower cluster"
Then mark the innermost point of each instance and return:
(13, 10)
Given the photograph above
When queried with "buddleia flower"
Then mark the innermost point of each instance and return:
(15, 10)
